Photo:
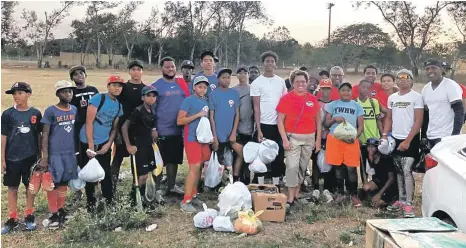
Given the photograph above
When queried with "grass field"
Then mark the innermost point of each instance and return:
(308, 226)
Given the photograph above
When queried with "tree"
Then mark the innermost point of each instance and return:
(9, 30)
(83, 34)
(40, 31)
(457, 10)
(363, 37)
(414, 31)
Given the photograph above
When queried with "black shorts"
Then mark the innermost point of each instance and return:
(243, 139)
(413, 150)
(17, 171)
(390, 194)
(171, 148)
(145, 159)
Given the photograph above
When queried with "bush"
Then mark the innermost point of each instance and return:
(86, 227)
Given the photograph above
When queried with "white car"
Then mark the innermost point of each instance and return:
(444, 184)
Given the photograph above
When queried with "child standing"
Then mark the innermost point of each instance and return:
(21, 130)
(191, 110)
(58, 152)
(142, 124)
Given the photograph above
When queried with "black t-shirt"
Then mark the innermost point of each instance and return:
(22, 129)
(141, 124)
(80, 100)
(288, 83)
(384, 166)
(130, 98)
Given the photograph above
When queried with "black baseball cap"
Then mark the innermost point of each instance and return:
(224, 70)
(242, 68)
(134, 63)
(446, 65)
(19, 86)
(148, 89)
(216, 60)
(324, 72)
(435, 62)
(77, 68)
(188, 64)
(208, 53)
(345, 84)
(303, 68)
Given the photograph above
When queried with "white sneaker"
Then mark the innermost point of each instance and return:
(328, 196)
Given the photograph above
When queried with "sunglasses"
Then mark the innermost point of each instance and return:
(404, 76)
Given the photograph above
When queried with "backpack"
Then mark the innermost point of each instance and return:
(101, 103)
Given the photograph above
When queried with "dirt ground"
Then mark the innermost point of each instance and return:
(308, 226)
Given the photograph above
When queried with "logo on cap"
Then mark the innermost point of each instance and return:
(16, 85)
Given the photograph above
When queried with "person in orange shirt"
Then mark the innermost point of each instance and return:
(370, 74)
(336, 75)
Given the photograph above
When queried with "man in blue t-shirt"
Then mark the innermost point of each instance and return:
(208, 71)
(170, 138)
(98, 133)
(224, 119)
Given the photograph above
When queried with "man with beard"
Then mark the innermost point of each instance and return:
(336, 75)
(130, 98)
(444, 114)
(370, 74)
(172, 92)
(254, 73)
(187, 68)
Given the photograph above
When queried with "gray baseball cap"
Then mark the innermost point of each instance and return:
(200, 79)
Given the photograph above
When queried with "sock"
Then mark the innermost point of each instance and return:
(186, 198)
(28, 211)
(276, 180)
(61, 196)
(52, 201)
(13, 215)
(261, 180)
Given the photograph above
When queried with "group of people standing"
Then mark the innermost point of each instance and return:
(300, 117)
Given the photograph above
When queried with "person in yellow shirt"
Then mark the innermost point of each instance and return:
(372, 122)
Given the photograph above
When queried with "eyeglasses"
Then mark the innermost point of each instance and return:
(337, 75)
(404, 76)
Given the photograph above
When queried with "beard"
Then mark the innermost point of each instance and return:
(168, 76)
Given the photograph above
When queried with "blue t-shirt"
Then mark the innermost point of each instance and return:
(193, 105)
(106, 115)
(168, 103)
(213, 82)
(62, 124)
(349, 110)
(224, 102)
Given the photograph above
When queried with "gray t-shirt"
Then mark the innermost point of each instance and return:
(246, 110)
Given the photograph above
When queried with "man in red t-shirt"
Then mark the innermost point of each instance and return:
(336, 75)
(370, 74)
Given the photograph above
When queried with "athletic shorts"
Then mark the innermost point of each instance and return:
(171, 149)
(391, 194)
(17, 171)
(339, 152)
(63, 167)
(243, 139)
(197, 152)
(413, 150)
(145, 159)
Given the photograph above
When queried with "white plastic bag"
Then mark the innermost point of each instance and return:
(268, 151)
(233, 198)
(227, 157)
(369, 169)
(223, 223)
(322, 163)
(158, 160)
(387, 146)
(92, 172)
(77, 184)
(250, 151)
(213, 174)
(257, 166)
(345, 132)
(205, 218)
(203, 132)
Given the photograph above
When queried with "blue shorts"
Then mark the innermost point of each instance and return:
(63, 167)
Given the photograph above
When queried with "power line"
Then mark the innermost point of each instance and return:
(330, 5)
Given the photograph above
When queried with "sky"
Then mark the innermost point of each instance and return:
(306, 20)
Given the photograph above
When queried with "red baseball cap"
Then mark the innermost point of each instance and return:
(115, 79)
(325, 83)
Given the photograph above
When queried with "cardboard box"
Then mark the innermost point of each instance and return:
(267, 198)
(412, 233)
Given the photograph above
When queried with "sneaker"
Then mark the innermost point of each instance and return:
(63, 214)
(328, 196)
(159, 197)
(54, 222)
(188, 207)
(408, 211)
(30, 223)
(395, 207)
(355, 200)
(176, 190)
(164, 179)
(316, 194)
(196, 202)
(9, 225)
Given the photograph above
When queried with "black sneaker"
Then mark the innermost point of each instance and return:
(30, 223)
(63, 214)
(10, 224)
(54, 222)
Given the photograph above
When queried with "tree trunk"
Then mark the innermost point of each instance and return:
(356, 68)
(160, 53)
(110, 55)
(192, 51)
(130, 52)
(149, 54)
(97, 58)
(238, 49)
(39, 57)
(225, 63)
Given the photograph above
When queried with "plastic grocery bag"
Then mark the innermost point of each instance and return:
(223, 223)
(92, 172)
(248, 222)
(387, 146)
(268, 151)
(233, 198)
(257, 166)
(227, 157)
(322, 163)
(203, 132)
(345, 132)
(205, 218)
(369, 169)
(150, 188)
(77, 184)
(158, 160)
(213, 174)
(250, 151)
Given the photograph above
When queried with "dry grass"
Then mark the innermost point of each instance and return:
(308, 226)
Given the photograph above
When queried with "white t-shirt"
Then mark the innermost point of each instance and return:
(270, 91)
(403, 107)
(438, 101)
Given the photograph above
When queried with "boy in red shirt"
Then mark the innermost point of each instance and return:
(370, 74)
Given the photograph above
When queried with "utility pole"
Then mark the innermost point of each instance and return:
(330, 5)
